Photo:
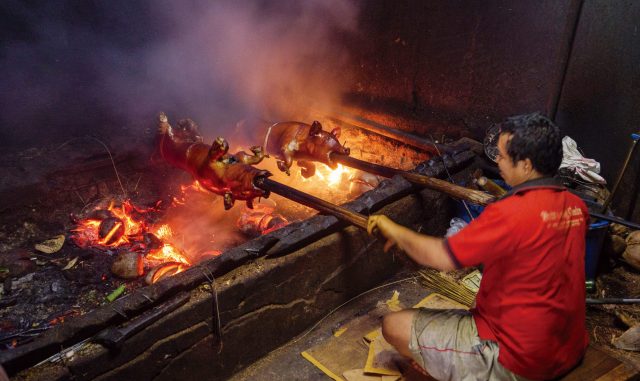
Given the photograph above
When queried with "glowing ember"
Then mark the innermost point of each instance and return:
(117, 229)
(211, 253)
(168, 253)
(262, 219)
(126, 226)
(61, 318)
(164, 231)
(166, 270)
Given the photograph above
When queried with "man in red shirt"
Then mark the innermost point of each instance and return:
(529, 317)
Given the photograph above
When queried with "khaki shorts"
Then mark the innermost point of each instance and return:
(446, 344)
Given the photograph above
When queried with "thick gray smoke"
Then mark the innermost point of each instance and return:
(74, 68)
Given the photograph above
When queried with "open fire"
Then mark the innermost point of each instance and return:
(120, 243)
(145, 244)
(154, 240)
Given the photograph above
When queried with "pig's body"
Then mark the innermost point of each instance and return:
(289, 141)
(228, 175)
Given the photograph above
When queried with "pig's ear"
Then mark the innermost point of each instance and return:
(316, 128)
(336, 132)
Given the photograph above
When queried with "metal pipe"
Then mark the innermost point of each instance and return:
(615, 219)
(612, 301)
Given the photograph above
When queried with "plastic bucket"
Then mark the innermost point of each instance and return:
(595, 239)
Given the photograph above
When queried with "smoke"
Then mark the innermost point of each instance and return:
(74, 68)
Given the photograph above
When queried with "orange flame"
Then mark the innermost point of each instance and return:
(129, 228)
(124, 213)
(164, 231)
(333, 178)
(87, 233)
(184, 189)
(169, 269)
(262, 219)
(168, 253)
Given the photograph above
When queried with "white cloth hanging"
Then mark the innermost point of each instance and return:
(587, 169)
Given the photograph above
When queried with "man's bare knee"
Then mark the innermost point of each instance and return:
(396, 329)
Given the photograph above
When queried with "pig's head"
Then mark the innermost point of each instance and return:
(321, 144)
(187, 132)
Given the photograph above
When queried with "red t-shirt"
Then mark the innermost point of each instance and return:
(532, 295)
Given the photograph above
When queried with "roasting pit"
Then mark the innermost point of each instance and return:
(314, 264)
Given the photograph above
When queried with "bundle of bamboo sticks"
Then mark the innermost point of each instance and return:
(446, 286)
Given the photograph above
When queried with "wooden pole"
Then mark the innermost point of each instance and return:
(453, 190)
(392, 133)
(313, 202)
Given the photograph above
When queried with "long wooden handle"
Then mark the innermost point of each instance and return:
(453, 190)
(313, 202)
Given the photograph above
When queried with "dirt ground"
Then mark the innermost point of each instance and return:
(606, 322)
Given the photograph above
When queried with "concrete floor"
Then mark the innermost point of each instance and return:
(286, 363)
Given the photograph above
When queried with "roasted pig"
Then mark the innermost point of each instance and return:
(289, 141)
(229, 175)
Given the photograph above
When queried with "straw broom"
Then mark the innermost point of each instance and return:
(443, 285)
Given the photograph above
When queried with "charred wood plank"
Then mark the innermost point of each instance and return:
(113, 337)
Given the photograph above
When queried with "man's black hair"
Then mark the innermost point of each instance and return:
(534, 137)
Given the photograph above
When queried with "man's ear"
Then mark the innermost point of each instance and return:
(529, 164)
(526, 165)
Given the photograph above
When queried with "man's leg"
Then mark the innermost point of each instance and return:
(396, 329)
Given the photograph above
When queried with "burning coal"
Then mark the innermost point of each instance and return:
(129, 229)
(162, 242)
(262, 219)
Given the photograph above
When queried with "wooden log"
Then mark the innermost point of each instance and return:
(490, 186)
(453, 190)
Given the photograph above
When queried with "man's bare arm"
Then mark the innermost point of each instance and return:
(425, 250)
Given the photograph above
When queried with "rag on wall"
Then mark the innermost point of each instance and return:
(587, 169)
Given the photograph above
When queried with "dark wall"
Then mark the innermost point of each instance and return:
(462, 62)
(74, 68)
(600, 102)
(468, 64)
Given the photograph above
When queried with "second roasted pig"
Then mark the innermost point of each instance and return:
(289, 141)
(229, 175)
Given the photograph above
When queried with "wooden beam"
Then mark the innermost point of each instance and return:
(457, 191)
